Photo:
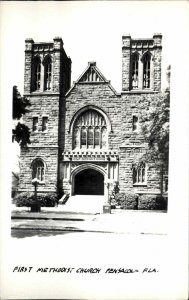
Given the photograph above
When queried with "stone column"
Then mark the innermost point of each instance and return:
(28, 65)
(157, 61)
(126, 53)
(140, 74)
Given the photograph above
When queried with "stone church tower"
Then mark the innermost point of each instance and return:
(85, 139)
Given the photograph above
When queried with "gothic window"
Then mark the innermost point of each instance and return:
(35, 124)
(97, 137)
(134, 78)
(76, 138)
(44, 123)
(146, 70)
(135, 123)
(90, 131)
(83, 137)
(38, 170)
(36, 74)
(48, 74)
(139, 174)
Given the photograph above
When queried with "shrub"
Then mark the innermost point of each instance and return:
(150, 202)
(126, 200)
(130, 201)
(27, 199)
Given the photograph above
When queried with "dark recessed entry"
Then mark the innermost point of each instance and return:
(89, 182)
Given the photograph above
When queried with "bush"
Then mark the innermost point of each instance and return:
(27, 199)
(150, 202)
(126, 200)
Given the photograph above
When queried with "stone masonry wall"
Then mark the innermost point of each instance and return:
(50, 158)
(133, 146)
(44, 144)
(101, 96)
(43, 105)
(128, 156)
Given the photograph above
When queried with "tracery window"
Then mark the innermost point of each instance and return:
(36, 74)
(146, 70)
(38, 170)
(139, 174)
(90, 131)
(48, 74)
(135, 59)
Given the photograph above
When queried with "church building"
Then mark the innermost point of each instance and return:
(85, 137)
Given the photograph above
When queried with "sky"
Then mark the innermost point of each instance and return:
(91, 31)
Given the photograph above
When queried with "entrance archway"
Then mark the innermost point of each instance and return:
(89, 182)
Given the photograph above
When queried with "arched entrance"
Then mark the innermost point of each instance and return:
(89, 182)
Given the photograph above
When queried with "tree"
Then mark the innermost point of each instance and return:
(20, 133)
(154, 118)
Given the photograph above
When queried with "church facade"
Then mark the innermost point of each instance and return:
(85, 138)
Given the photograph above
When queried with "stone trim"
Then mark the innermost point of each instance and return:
(131, 146)
(137, 91)
(42, 146)
(106, 156)
(149, 192)
(42, 93)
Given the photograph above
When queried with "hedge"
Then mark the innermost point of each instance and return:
(126, 200)
(27, 199)
(150, 202)
(130, 200)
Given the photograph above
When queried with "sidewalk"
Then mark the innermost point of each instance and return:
(119, 221)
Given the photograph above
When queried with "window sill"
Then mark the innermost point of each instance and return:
(139, 91)
(42, 183)
(139, 184)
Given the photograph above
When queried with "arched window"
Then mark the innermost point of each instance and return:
(139, 174)
(47, 73)
(134, 78)
(90, 131)
(36, 74)
(38, 170)
(146, 70)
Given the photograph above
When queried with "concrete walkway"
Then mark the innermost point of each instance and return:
(119, 221)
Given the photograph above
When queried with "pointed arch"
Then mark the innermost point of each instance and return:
(36, 73)
(89, 128)
(146, 60)
(135, 70)
(85, 108)
(47, 62)
(38, 167)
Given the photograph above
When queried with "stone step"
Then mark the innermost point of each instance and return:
(85, 203)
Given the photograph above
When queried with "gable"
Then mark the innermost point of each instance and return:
(92, 74)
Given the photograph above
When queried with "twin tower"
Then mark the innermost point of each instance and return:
(85, 138)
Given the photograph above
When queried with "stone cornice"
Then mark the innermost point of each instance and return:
(44, 147)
